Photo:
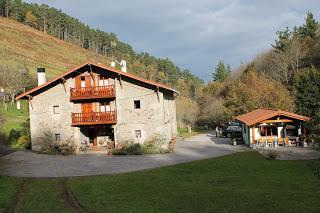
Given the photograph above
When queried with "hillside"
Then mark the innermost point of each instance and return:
(24, 45)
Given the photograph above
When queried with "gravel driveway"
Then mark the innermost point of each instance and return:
(28, 164)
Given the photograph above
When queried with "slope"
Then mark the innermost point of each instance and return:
(24, 45)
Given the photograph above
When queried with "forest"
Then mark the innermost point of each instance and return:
(284, 77)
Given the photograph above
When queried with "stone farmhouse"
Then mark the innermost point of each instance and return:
(98, 105)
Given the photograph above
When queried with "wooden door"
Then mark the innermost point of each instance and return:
(86, 107)
(88, 80)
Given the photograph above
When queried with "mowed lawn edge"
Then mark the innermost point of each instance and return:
(241, 182)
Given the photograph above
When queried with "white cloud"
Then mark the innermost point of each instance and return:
(194, 34)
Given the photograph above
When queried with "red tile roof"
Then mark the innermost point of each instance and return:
(23, 95)
(259, 115)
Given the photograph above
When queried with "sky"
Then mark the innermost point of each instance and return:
(194, 34)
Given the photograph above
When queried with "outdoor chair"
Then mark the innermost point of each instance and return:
(262, 142)
(270, 141)
(286, 140)
(280, 142)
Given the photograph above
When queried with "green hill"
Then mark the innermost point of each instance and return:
(21, 44)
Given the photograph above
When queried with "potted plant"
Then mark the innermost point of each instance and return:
(234, 139)
(101, 142)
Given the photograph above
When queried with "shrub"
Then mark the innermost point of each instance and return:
(155, 145)
(14, 135)
(134, 149)
(129, 149)
(121, 151)
(24, 141)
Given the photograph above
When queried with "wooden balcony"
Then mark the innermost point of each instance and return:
(94, 118)
(92, 92)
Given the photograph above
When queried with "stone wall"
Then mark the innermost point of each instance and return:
(45, 124)
(156, 116)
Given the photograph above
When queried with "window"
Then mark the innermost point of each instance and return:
(103, 81)
(57, 137)
(138, 133)
(104, 107)
(137, 104)
(56, 109)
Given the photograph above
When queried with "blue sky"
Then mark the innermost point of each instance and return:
(193, 34)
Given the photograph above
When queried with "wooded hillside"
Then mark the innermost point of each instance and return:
(285, 77)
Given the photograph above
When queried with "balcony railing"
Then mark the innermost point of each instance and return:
(92, 92)
(93, 118)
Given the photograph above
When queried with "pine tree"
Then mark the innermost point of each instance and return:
(309, 28)
(221, 72)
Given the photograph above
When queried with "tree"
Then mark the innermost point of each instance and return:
(307, 93)
(253, 90)
(221, 72)
(187, 113)
(283, 39)
(309, 28)
(14, 79)
(31, 19)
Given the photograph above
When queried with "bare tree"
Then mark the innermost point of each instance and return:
(13, 79)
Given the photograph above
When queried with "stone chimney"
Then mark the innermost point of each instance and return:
(41, 76)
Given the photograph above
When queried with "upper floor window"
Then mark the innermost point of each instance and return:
(104, 107)
(137, 104)
(103, 81)
(56, 109)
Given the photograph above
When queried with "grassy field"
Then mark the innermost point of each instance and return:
(21, 44)
(13, 119)
(183, 132)
(243, 182)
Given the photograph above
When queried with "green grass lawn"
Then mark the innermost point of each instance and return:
(183, 132)
(8, 188)
(243, 182)
(13, 119)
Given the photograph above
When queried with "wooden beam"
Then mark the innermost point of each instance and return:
(120, 80)
(277, 121)
(30, 98)
(158, 94)
(90, 72)
(64, 83)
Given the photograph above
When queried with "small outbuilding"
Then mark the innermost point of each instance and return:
(270, 127)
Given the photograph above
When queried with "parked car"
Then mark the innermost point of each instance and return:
(232, 129)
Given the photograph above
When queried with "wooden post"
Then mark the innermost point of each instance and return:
(120, 80)
(158, 94)
(30, 98)
(253, 135)
(64, 83)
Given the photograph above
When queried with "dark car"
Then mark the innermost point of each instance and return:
(232, 129)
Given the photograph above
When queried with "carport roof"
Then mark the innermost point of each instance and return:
(262, 114)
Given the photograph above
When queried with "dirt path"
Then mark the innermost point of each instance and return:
(13, 207)
(69, 199)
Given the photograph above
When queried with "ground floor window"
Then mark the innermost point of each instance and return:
(138, 133)
(57, 137)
